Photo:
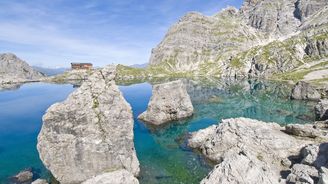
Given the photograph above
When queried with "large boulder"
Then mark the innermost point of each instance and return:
(170, 101)
(321, 110)
(117, 177)
(90, 133)
(304, 91)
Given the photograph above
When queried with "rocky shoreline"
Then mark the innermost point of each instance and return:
(251, 151)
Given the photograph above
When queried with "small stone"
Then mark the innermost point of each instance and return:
(286, 162)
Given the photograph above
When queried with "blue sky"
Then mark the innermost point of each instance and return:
(56, 32)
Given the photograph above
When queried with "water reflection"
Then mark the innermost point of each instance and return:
(163, 151)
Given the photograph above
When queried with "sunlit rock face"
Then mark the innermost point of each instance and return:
(262, 39)
(170, 102)
(90, 133)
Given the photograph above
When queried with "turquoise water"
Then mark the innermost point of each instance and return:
(162, 151)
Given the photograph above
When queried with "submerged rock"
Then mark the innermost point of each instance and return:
(170, 101)
(23, 177)
(90, 133)
(304, 91)
(116, 177)
(321, 110)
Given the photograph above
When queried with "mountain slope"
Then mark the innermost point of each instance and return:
(13, 69)
(197, 39)
(265, 38)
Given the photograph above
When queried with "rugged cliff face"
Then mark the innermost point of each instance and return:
(264, 38)
(197, 39)
(13, 69)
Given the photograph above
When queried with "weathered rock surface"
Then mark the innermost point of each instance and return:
(40, 181)
(275, 17)
(304, 131)
(170, 101)
(323, 178)
(302, 174)
(304, 91)
(251, 151)
(116, 177)
(321, 110)
(90, 133)
(315, 155)
(15, 70)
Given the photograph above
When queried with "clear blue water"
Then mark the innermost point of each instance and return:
(162, 151)
(21, 114)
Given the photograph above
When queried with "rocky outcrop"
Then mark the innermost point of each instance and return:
(304, 91)
(169, 102)
(90, 133)
(318, 46)
(251, 151)
(306, 8)
(321, 110)
(116, 177)
(15, 70)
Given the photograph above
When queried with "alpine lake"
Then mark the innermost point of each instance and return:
(162, 151)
